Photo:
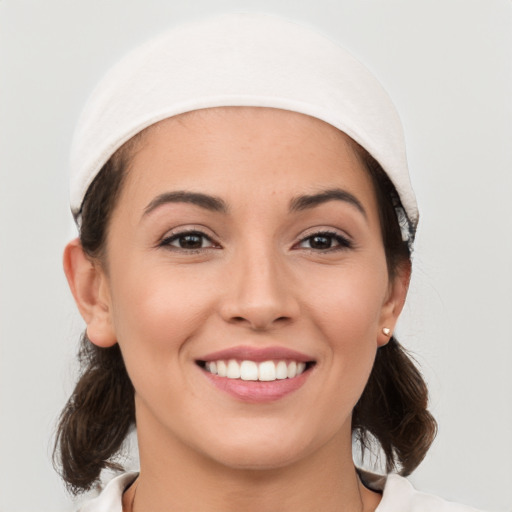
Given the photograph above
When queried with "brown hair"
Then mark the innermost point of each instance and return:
(393, 407)
(392, 410)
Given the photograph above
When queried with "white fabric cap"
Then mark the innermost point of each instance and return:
(239, 60)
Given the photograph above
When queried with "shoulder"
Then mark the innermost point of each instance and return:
(110, 499)
(399, 494)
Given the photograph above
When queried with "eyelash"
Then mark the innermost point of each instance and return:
(167, 241)
(342, 242)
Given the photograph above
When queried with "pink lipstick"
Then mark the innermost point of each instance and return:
(259, 374)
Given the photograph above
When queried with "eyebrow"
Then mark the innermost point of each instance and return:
(211, 203)
(216, 204)
(310, 201)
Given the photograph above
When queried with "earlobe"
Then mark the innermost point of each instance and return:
(394, 304)
(88, 284)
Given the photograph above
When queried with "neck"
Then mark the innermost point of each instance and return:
(175, 477)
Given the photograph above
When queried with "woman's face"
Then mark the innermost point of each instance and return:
(247, 235)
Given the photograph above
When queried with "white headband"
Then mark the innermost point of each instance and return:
(239, 60)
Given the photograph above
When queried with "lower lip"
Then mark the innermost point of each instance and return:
(255, 391)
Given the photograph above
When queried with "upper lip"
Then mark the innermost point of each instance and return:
(257, 354)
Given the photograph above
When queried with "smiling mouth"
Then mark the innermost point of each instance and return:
(264, 371)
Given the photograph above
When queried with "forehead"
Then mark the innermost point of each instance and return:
(205, 124)
(270, 148)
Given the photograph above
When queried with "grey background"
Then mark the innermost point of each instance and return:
(446, 63)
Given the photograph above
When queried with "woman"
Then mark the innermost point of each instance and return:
(246, 220)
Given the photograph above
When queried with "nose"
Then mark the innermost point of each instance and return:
(259, 291)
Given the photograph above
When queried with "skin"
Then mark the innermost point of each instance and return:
(259, 280)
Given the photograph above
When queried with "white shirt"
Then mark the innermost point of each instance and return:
(398, 495)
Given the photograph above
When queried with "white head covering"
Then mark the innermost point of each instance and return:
(239, 60)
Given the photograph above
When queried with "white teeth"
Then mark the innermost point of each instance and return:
(249, 370)
(222, 370)
(265, 371)
(233, 370)
(281, 370)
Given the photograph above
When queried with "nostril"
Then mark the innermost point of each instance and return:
(242, 319)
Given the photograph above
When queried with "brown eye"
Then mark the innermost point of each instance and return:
(321, 242)
(192, 240)
(325, 242)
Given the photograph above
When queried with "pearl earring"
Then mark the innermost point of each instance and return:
(386, 331)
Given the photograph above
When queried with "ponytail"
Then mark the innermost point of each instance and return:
(96, 418)
(393, 409)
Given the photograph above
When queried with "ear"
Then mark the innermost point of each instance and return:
(394, 303)
(89, 286)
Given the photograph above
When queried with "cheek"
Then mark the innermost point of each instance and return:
(155, 314)
(348, 304)
(347, 314)
(155, 311)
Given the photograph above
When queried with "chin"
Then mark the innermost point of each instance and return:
(261, 450)
(258, 458)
